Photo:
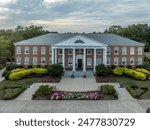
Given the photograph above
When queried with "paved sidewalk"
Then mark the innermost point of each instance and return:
(1, 72)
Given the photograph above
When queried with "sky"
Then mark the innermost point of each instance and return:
(73, 15)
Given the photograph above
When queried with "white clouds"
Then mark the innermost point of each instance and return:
(74, 15)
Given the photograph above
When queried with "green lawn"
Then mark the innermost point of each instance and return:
(129, 81)
(11, 89)
(147, 54)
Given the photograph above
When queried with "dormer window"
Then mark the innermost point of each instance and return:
(79, 41)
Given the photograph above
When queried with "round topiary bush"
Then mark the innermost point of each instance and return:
(118, 71)
(55, 70)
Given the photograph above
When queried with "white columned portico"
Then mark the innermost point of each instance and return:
(63, 58)
(84, 59)
(105, 56)
(74, 69)
(52, 55)
(94, 59)
(55, 55)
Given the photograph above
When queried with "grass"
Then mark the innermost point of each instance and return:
(127, 81)
(11, 89)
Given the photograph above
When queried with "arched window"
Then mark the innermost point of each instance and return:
(131, 50)
(34, 50)
(116, 50)
(115, 61)
(79, 41)
(26, 50)
(108, 50)
(18, 50)
(26, 60)
(123, 61)
(131, 61)
(43, 60)
(18, 60)
(43, 50)
(89, 61)
(124, 51)
(34, 60)
(140, 61)
(140, 51)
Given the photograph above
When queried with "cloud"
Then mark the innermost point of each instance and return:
(73, 15)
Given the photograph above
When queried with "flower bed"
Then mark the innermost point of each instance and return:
(64, 95)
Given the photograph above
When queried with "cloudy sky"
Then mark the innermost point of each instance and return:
(73, 15)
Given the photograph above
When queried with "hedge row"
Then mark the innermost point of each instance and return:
(24, 73)
(139, 73)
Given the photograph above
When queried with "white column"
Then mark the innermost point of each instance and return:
(94, 59)
(84, 59)
(55, 55)
(105, 56)
(74, 69)
(52, 55)
(63, 58)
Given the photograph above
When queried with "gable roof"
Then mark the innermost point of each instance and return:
(54, 38)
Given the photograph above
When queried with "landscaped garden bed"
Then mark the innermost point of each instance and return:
(47, 93)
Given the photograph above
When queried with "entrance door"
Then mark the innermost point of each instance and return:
(79, 63)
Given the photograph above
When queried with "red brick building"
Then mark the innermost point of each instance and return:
(83, 51)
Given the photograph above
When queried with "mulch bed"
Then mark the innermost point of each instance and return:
(104, 79)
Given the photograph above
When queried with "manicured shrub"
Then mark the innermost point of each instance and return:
(108, 89)
(55, 70)
(118, 71)
(146, 72)
(129, 67)
(113, 67)
(17, 70)
(140, 66)
(102, 70)
(6, 74)
(25, 73)
(131, 91)
(42, 91)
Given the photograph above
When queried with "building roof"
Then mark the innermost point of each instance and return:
(54, 38)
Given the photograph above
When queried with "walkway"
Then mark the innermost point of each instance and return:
(1, 72)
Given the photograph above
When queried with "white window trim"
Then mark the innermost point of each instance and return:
(141, 61)
(133, 60)
(125, 50)
(59, 51)
(27, 63)
(124, 60)
(114, 61)
(18, 50)
(108, 50)
(34, 48)
(43, 60)
(26, 48)
(69, 51)
(98, 59)
(88, 52)
(59, 60)
(50, 50)
(35, 63)
(89, 64)
(131, 53)
(70, 59)
(43, 50)
(108, 59)
(141, 51)
(98, 51)
(116, 48)
(18, 59)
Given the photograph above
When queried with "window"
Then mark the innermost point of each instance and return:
(131, 51)
(124, 51)
(34, 50)
(18, 60)
(69, 51)
(98, 61)
(115, 61)
(139, 61)
(26, 60)
(60, 51)
(89, 61)
(43, 60)
(140, 51)
(43, 50)
(18, 50)
(108, 50)
(116, 50)
(70, 61)
(50, 60)
(131, 61)
(124, 61)
(98, 52)
(50, 50)
(26, 50)
(108, 60)
(60, 61)
(89, 51)
(34, 60)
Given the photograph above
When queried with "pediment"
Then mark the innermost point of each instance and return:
(80, 41)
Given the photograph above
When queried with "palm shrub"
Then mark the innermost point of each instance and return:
(102, 70)
(55, 70)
